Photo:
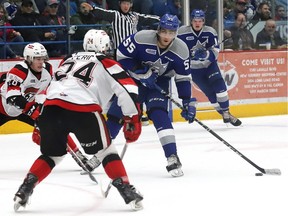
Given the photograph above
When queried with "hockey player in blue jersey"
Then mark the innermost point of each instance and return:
(154, 56)
(202, 42)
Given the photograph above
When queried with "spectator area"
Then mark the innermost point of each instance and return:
(68, 42)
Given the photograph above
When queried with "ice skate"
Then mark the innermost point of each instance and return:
(24, 192)
(228, 118)
(92, 163)
(174, 166)
(129, 194)
(144, 120)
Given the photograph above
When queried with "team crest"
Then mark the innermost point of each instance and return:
(161, 67)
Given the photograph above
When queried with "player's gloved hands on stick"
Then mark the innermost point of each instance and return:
(149, 78)
(189, 111)
(200, 54)
(132, 128)
(32, 110)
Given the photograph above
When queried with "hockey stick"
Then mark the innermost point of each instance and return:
(106, 192)
(264, 171)
(78, 161)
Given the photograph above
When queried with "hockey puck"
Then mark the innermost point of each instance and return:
(258, 174)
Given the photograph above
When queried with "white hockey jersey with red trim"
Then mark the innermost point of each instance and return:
(30, 85)
(87, 81)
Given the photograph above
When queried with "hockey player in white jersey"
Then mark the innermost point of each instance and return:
(202, 42)
(154, 57)
(23, 86)
(23, 91)
(81, 88)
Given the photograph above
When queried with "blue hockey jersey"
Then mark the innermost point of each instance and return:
(140, 50)
(207, 38)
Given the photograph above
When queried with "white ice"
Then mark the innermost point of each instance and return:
(216, 181)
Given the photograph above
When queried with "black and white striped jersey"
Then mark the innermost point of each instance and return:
(123, 24)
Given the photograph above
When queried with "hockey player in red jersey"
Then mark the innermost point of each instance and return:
(82, 86)
(23, 91)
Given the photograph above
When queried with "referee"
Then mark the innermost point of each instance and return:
(124, 21)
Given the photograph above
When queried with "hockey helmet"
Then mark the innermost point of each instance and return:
(33, 50)
(197, 14)
(96, 40)
(168, 21)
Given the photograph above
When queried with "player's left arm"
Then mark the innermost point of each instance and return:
(126, 90)
(212, 46)
(184, 88)
(181, 66)
(122, 85)
(183, 81)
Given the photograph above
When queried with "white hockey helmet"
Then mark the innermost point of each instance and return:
(33, 50)
(96, 40)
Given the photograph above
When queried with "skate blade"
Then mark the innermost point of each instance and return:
(176, 172)
(17, 204)
(136, 206)
(83, 172)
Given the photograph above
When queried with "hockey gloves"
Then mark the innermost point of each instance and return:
(132, 128)
(200, 54)
(36, 135)
(189, 109)
(149, 78)
(32, 110)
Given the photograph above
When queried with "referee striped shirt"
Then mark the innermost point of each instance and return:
(123, 24)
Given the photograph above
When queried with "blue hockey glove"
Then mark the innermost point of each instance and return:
(189, 111)
(200, 54)
(149, 78)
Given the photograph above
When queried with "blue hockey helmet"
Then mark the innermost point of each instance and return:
(197, 14)
(168, 21)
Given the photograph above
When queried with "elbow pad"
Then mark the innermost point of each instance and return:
(17, 101)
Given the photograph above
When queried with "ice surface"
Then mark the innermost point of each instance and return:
(216, 181)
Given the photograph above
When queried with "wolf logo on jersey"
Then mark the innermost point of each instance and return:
(205, 39)
(158, 65)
